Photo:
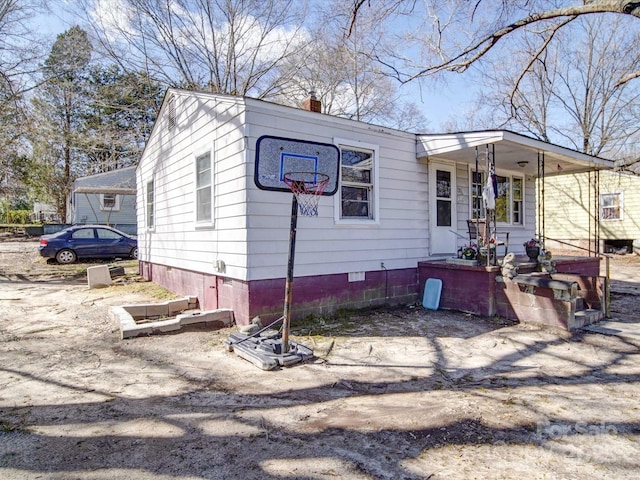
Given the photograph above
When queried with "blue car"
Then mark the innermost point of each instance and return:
(88, 241)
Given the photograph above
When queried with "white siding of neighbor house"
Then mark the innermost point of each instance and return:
(399, 237)
(204, 123)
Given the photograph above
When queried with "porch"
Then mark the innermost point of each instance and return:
(463, 167)
(571, 298)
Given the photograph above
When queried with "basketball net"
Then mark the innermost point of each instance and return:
(308, 188)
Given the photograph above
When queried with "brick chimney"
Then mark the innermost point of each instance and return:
(311, 103)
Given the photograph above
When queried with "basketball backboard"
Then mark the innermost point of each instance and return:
(276, 156)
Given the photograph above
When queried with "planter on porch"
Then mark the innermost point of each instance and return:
(533, 252)
(482, 256)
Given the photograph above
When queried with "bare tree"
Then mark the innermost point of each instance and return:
(223, 46)
(458, 33)
(340, 70)
(19, 52)
(18, 61)
(570, 94)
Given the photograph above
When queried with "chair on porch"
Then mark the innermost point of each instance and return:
(478, 229)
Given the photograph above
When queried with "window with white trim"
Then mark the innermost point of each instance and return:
(509, 200)
(477, 204)
(356, 197)
(150, 204)
(204, 189)
(517, 200)
(109, 202)
(611, 206)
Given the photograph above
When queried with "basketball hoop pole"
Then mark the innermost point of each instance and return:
(288, 294)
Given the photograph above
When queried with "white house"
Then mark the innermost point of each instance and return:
(206, 229)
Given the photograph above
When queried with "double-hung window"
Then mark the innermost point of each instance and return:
(509, 198)
(204, 187)
(611, 206)
(477, 204)
(358, 177)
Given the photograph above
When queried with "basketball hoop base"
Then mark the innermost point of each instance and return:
(266, 352)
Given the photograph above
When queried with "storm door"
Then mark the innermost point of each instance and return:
(442, 210)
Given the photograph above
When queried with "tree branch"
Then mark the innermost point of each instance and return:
(627, 78)
(537, 54)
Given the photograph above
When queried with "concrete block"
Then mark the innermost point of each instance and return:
(190, 318)
(136, 311)
(159, 310)
(193, 302)
(222, 316)
(176, 306)
(126, 317)
(98, 276)
(169, 325)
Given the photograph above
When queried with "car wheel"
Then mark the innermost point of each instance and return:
(66, 256)
(134, 253)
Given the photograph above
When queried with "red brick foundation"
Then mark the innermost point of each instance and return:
(483, 291)
(474, 289)
(464, 288)
(316, 295)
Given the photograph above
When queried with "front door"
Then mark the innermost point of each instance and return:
(442, 210)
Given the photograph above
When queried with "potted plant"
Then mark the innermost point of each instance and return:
(532, 248)
(469, 252)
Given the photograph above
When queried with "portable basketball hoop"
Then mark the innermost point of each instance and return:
(307, 188)
(309, 170)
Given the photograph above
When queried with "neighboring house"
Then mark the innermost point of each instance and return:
(582, 209)
(205, 229)
(44, 213)
(107, 198)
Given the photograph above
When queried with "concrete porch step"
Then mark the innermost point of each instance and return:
(587, 317)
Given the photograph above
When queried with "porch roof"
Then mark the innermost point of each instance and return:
(510, 148)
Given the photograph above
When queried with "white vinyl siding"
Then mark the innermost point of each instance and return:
(207, 123)
(251, 232)
(398, 233)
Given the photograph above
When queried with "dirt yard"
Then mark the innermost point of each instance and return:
(392, 394)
